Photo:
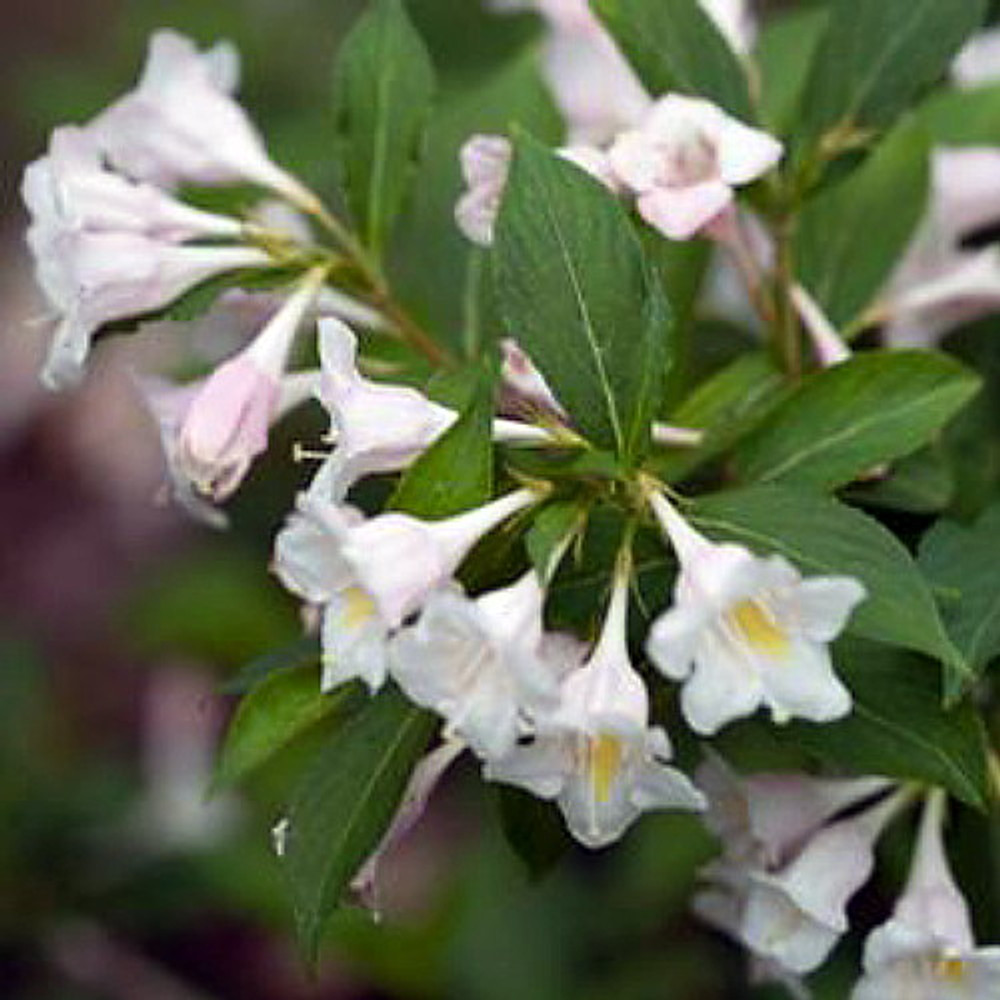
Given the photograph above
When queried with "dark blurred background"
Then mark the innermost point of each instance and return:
(120, 623)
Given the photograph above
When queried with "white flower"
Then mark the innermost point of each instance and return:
(478, 663)
(978, 61)
(95, 278)
(762, 819)
(927, 951)
(424, 779)
(524, 382)
(685, 158)
(181, 124)
(309, 561)
(70, 188)
(380, 427)
(795, 916)
(485, 162)
(376, 427)
(597, 756)
(369, 575)
(829, 346)
(746, 631)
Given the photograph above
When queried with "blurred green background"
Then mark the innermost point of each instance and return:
(120, 623)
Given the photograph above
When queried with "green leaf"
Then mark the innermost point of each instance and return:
(921, 483)
(878, 56)
(552, 529)
(898, 726)
(963, 117)
(784, 54)
(302, 652)
(852, 235)
(274, 713)
(726, 406)
(383, 88)
(822, 536)
(843, 421)
(456, 472)
(963, 566)
(579, 297)
(675, 45)
(344, 804)
(533, 828)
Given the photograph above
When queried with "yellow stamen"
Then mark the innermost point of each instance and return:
(358, 607)
(951, 969)
(604, 755)
(759, 628)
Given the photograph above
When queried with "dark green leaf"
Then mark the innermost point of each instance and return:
(921, 483)
(898, 727)
(456, 472)
(302, 652)
(577, 294)
(852, 235)
(877, 56)
(963, 566)
(784, 53)
(344, 804)
(274, 713)
(553, 528)
(963, 117)
(383, 88)
(727, 406)
(843, 421)
(675, 45)
(534, 829)
(822, 536)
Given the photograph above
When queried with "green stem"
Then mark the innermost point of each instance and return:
(786, 335)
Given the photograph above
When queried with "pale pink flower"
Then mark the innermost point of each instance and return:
(685, 158)
(746, 631)
(927, 951)
(596, 755)
(226, 423)
(478, 663)
(735, 21)
(70, 188)
(796, 915)
(939, 283)
(182, 125)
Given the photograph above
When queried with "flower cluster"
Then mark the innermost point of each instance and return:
(574, 715)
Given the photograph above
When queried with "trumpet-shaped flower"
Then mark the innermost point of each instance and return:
(369, 575)
(685, 158)
(225, 424)
(978, 61)
(746, 631)
(95, 278)
(71, 189)
(309, 561)
(169, 404)
(795, 916)
(478, 663)
(597, 755)
(763, 818)
(377, 427)
(182, 125)
(927, 951)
